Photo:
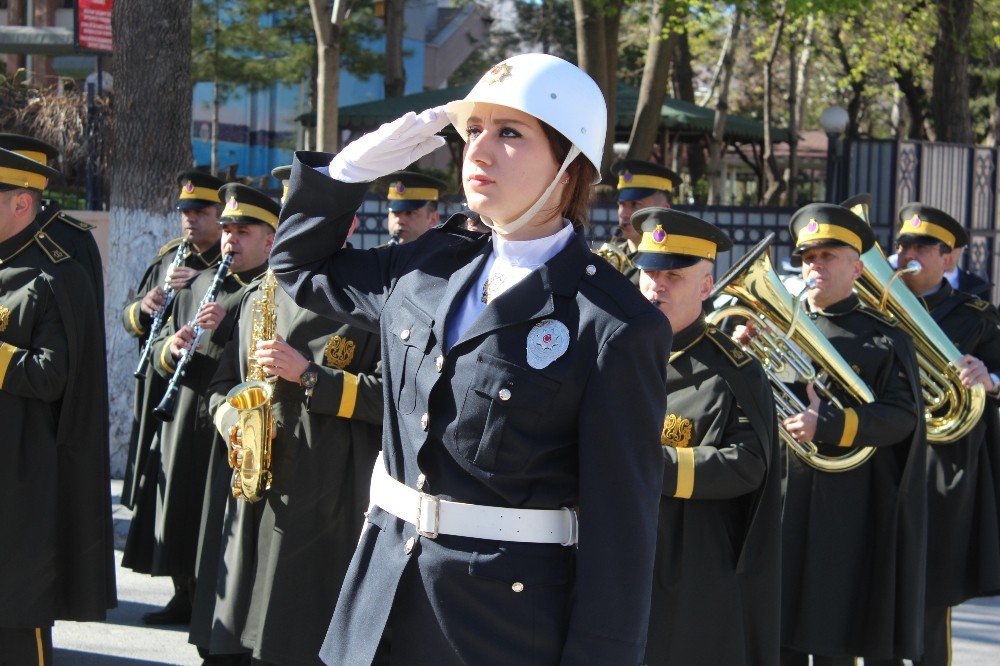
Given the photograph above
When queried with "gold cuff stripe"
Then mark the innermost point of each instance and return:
(413, 194)
(133, 319)
(821, 232)
(19, 178)
(33, 155)
(38, 644)
(646, 182)
(348, 396)
(925, 228)
(165, 359)
(249, 210)
(6, 353)
(225, 417)
(850, 427)
(685, 473)
(677, 244)
(205, 193)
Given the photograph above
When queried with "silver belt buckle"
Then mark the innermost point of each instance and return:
(428, 509)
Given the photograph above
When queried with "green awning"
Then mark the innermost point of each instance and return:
(679, 117)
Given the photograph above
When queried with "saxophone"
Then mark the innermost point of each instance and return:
(250, 438)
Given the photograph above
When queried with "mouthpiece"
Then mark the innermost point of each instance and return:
(913, 267)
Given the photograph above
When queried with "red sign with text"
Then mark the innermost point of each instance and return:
(93, 25)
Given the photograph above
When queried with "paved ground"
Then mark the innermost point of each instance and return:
(124, 641)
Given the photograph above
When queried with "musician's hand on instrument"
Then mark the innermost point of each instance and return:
(153, 301)
(744, 333)
(973, 371)
(181, 341)
(392, 147)
(179, 276)
(210, 316)
(802, 426)
(280, 359)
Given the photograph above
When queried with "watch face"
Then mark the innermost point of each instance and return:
(309, 378)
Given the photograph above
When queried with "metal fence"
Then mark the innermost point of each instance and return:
(961, 180)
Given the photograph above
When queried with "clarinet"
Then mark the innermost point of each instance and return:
(394, 238)
(154, 331)
(165, 410)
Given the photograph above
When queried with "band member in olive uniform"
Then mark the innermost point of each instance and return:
(640, 185)
(719, 545)
(963, 530)
(71, 235)
(199, 203)
(413, 199)
(55, 513)
(186, 443)
(854, 546)
(502, 356)
(285, 556)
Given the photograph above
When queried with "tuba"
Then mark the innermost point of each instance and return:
(614, 256)
(762, 299)
(950, 409)
(250, 438)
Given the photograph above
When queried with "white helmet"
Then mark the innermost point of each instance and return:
(549, 88)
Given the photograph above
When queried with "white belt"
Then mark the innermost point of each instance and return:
(433, 516)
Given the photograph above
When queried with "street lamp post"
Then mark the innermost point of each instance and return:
(834, 121)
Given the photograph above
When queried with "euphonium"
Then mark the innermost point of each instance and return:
(787, 341)
(951, 410)
(250, 439)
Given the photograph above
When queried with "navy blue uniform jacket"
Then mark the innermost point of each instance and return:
(582, 432)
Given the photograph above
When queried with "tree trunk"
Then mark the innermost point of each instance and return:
(791, 171)
(916, 102)
(683, 83)
(395, 74)
(215, 89)
(950, 100)
(142, 215)
(857, 84)
(773, 184)
(717, 146)
(802, 74)
(597, 52)
(328, 35)
(653, 88)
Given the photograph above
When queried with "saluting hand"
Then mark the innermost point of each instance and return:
(181, 341)
(974, 371)
(153, 301)
(179, 276)
(802, 426)
(210, 316)
(278, 358)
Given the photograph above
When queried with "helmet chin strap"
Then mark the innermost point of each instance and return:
(510, 227)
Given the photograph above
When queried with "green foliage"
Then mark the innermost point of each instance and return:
(262, 42)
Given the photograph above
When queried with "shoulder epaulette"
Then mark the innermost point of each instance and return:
(55, 253)
(977, 304)
(169, 246)
(732, 350)
(875, 314)
(79, 225)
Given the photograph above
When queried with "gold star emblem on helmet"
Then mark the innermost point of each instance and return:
(499, 73)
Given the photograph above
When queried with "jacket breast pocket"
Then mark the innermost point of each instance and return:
(500, 414)
(411, 327)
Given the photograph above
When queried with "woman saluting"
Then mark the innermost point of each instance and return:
(514, 515)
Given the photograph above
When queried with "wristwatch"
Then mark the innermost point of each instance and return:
(309, 378)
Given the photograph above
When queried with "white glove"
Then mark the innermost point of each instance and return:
(391, 147)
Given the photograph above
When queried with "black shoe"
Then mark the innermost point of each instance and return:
(177, 611)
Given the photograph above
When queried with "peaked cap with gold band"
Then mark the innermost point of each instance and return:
(672, 239)
(409, 190)
(30, 147)
(246, 205)
(282, 173)
(638, 179)
(198, 190)
(924, 225)
(18, 172)
(829, 225)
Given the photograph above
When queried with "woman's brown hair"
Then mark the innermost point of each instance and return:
(575, 202)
